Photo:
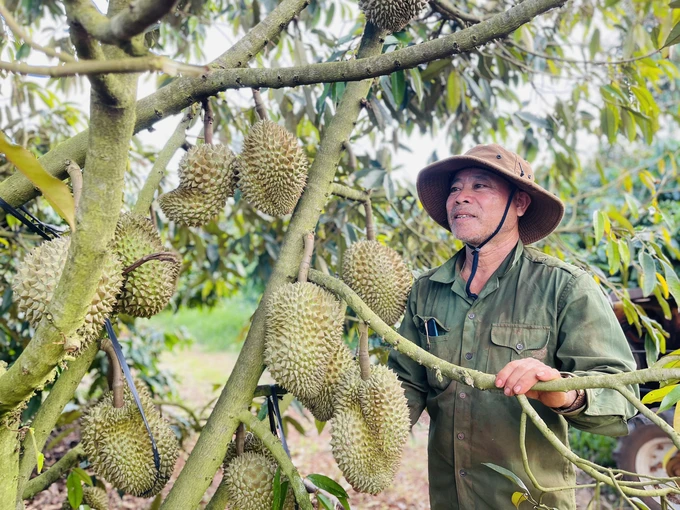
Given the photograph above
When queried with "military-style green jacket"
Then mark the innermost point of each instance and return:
(533, 306)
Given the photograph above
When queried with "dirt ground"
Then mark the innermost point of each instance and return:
(311, 452)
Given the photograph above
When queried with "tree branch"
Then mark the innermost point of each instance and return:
(206, 457)
(343, 191)
(146, 195)
(306, 257)
(259, 105)
(121, 28)
(557, 58)
(43, 481)
(20, 34)
(276, 448)
(449, 11)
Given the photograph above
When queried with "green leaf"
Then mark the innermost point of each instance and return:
(594, 45)
(416, 82)
(648, 273)
(320, 425)
(23, 52)
(328, 484)
(278, 500)
(670, 399)
(507, 474)
(398, 82)
(673, 282)
(673, 37)
(83, 476)
(613, 256)
(74, 490)
(657, 395)
(39, 457)
(598, 225)
(325, 502)
(453, 92)
(55, 191)
(624, 251)
(639, 504)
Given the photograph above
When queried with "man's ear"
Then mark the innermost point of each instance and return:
(522, 201)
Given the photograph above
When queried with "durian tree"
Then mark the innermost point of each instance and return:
(327, 117)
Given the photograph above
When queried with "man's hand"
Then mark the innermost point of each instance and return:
(517, 377)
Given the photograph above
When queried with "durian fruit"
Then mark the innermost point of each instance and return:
(206, 181)
(392, 15)
(379, 276)
(252, 443)
(274, 170)
(303, 328)
(370, 428)
(249, 483)
(96, 498)
(39, 274)
(324, 404)
(149, 287)
(206, 167)
(119, 449)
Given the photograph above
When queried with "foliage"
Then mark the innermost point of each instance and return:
(593, 447)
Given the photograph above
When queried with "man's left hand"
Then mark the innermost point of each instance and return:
(518, 377)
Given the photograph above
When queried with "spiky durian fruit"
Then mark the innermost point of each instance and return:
(379, 276)
(119, 449)
(252, 443)
(303, 328)
(249, 481)
(149, 287)
(392, 15)
(370, 428)
(96, 498)
(208, 167)
(274, 170)
(324, 404)
(39, 274)
(206, 180)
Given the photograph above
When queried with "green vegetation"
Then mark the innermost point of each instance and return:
(220, 328)
(593, 447)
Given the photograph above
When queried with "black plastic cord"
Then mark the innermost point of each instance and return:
(36, 226)
(277, 413)
(476, 249)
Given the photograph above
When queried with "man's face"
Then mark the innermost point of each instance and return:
(476, 204)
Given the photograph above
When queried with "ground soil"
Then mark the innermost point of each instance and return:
(311, 451)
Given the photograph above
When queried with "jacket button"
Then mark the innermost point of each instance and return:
(462, 472)
(519, 347)
(460, 436)
(471, 316)
(462, 394)
(468, 356)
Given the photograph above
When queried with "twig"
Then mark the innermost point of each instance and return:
(164, 256)
(116, 66)
(340, 190)
(313, 489)
(20, 34)
(54, 473)
(259, 105)
(276, 448)
(145, 198)
(352, 159)
(581, 61)
(76, 175)
(240, 439)
(186, 409)
(370, 225)
(306, 261)
(115, 374)
(364, 358)
(448, 10)
(208, 119)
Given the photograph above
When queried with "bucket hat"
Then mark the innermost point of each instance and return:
(541, 217)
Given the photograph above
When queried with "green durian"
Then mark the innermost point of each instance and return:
(208, 168)
(392, 15)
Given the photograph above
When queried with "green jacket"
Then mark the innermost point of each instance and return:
(533, 305)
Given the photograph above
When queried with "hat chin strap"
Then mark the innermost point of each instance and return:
(476, 249)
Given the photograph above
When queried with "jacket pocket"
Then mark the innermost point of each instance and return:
(510, 342)
(439, 345)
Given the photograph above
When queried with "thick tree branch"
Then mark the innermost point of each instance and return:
(448, 10)
(9, 456)
(206, 457)
(43, 481)
(169, 100)
(146, 196)
(340, 190)
(276, 448)
(126, 24)
(45, 419)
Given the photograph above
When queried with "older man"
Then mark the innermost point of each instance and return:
(504, 308)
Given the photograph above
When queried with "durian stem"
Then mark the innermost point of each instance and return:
(306, 261)
(145, 198)
(44, 480)
(208, 119)
(370, 225)
(364, 358)
(161, 255)
(276, 448)
(240, 439)
(76, 175)
(115, 374)
(259, 105)
(265, 390)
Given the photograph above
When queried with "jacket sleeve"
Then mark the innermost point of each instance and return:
(412, 375)
(591, 342)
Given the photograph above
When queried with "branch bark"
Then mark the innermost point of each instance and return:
(182, 92)
(43, 481)
(206, 457)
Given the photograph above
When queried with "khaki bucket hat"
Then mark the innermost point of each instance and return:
(541, 218)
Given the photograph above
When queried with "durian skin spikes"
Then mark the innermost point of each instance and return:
(392, 15)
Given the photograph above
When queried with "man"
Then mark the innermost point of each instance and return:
(503, 308)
